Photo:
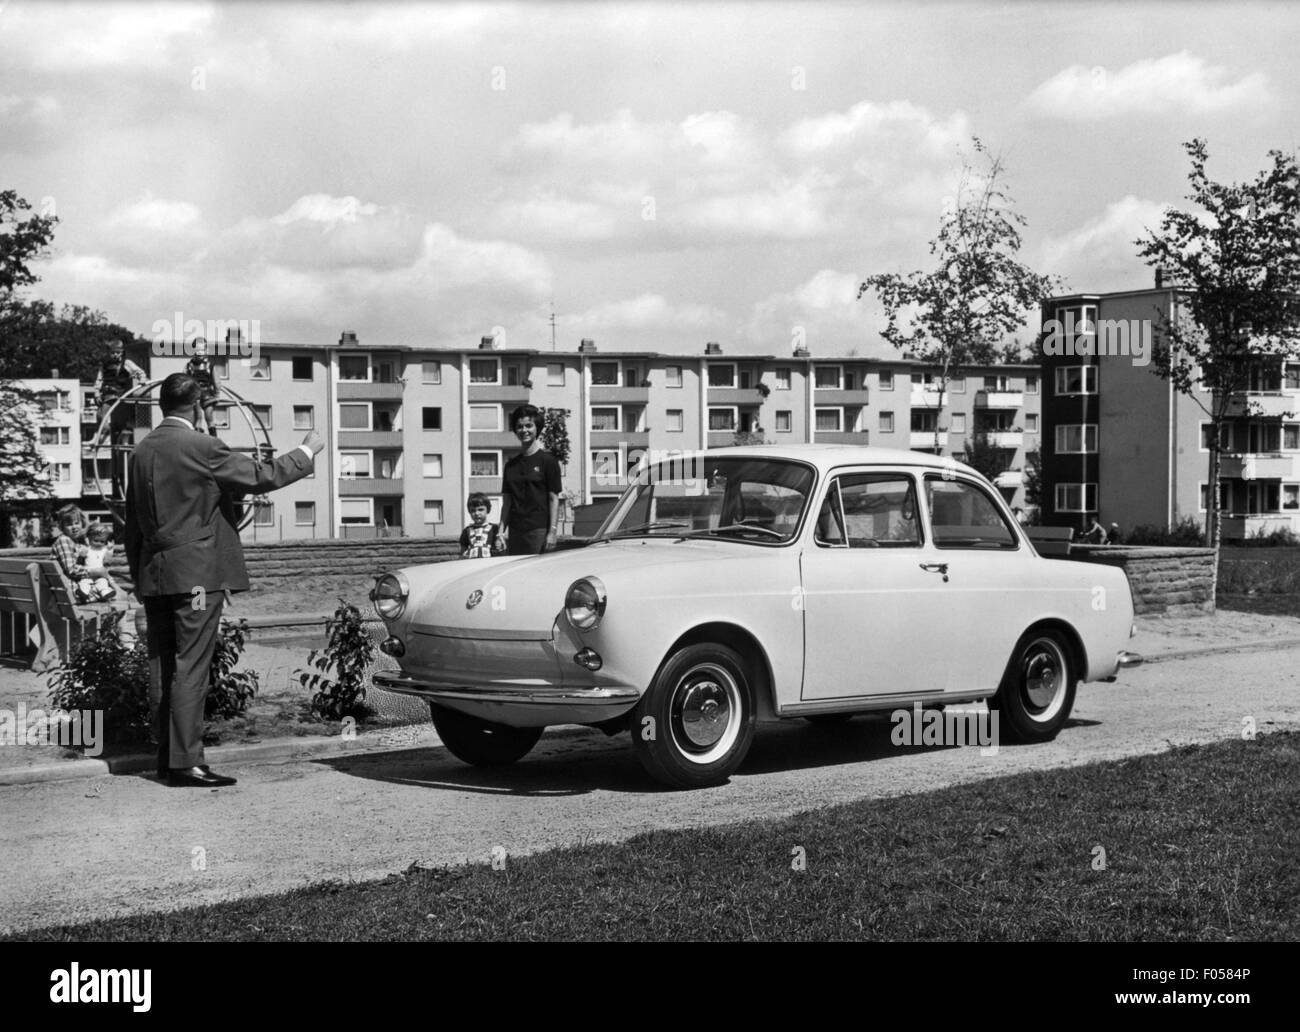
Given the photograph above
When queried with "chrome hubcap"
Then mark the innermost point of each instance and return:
(705, 714)
(1044, 675)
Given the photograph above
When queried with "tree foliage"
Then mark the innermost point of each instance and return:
(1236, 264)
(982, 456)
(24, 472)
(36, 339)
(555, 434)
(961, 311)
(23, 239)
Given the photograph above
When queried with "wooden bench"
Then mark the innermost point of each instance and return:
(1051, 541)
(35, 597)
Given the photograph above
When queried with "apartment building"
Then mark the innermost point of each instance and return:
(58, 432)
(1122, 446)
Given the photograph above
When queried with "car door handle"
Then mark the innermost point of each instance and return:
(936, 568)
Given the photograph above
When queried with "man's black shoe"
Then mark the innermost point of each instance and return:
(196, 777)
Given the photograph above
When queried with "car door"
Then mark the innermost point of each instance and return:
(872, 610)
(990, 581)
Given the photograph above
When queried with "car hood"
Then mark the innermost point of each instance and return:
(513, 597)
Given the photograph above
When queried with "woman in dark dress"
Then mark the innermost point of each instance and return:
(530, 489)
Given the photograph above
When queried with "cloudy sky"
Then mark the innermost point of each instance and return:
(664, 174)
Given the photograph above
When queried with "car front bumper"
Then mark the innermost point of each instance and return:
(519, 705)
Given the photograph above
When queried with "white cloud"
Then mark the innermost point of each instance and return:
(823, 314)
(1101, 254)
(1176, 82)
(154, 215)
(324, 208)
(97, 36)
(647, 311)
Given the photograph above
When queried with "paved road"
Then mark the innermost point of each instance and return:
(75, 850)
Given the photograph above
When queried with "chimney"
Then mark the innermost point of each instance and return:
(713, 348)
(802, 353)
(348, 339)
(586, 346)
(486, 343)
(54, 374)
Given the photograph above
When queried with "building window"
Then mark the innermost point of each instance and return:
(957, 385)
(262, 414)
(354, 415)
(304, 417)
(1225, 496)
(673, 375)
(355, 368)
(485, 417)
(354, 464)
(555, 374)
(826, 378)
(829, 420)
(1076, 438)
(674, 420)
(485, 464)
(1291, 436)
(1225, 437)
(303, 369)
(1076, 497)
(432, 465)
(432, 510)
(782, 378)
(605, 418)
(1290, 496)
(484, 371)
(431, 418)
(722, 419)
(304, 514)
(784, 421)
(886, 380)
(957, 423)
(51, 435)
(1076, 380)
(61, 472)
(431, 372)
(356, 511)
(886, 422)
(513, 376)
(604, 374)
(264, 514)
(1031, 384)
(722, 374)
(604, 464)
(1031, 422)
(261, 369)
(221, 418)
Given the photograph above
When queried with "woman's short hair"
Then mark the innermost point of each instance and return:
(526, 412)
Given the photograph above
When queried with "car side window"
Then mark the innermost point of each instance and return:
(870, 510)
(963, 515)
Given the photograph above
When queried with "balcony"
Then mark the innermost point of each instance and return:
(350, 439)
(1264, 404)
(927, 439)
(861, 437)
(493, 439)
(1011, 439)
(838, 397)
(488, 485)
(1010, 479)
(607, 483)
(744, 396)
(370, 486)
(928, 397)
(513, 395)
(613, 438)
(613, 394)
(350, 390)
(999, 399)
(1235, 526)
(1274, 466)
(720, 439)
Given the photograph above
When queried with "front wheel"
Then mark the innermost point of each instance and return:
(694, 725)
(480, 742)
(1037, 690)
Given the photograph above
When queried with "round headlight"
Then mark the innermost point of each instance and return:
(585, 603)
(389, 595)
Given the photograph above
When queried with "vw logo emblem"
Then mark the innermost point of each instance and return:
(475, 597)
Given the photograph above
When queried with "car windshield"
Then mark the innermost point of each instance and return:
(741, 498)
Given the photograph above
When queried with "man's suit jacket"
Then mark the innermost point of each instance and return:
(180, 519)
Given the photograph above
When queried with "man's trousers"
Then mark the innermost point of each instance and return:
(181, 642)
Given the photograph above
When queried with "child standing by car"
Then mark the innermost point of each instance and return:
(479, 539)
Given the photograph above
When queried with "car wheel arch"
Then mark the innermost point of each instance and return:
(743, 642)
(1078, 653)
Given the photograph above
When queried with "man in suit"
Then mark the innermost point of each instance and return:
(183, 549)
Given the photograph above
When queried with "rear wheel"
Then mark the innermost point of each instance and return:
(1037, 690)
(694, 725)
(480, 742)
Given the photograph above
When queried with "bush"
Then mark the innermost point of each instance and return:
(102, 674)
(1278, 537)
(229, 691)
(348, 653)
(1186, 533)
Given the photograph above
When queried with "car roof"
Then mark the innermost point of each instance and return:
(824, 456)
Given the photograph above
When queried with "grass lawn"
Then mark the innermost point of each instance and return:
(1200, 844)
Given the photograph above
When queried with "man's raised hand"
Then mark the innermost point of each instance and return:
(314, 441)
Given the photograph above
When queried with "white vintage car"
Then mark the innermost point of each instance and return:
(753, 583)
